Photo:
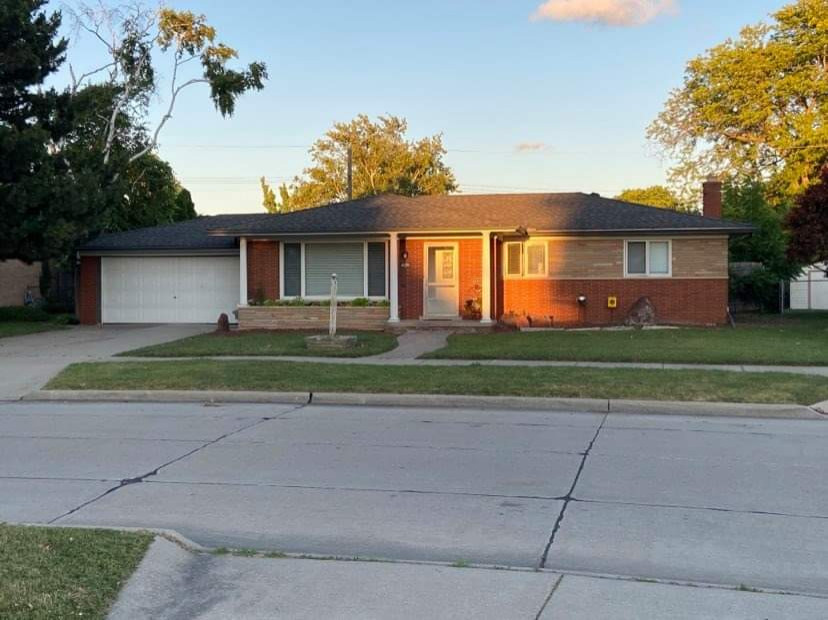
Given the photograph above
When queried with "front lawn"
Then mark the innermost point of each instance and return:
(262, 343)
(22, 320)
(793, 339)
(8, 329)
(64, 573)
(688, 385)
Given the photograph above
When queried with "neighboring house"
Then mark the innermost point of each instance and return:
(569, 256)
(16, 279)
(810, 290)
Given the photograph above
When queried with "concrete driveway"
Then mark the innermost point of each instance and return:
(730, 502)
(28, 362)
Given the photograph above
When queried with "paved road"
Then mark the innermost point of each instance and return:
(719, 501)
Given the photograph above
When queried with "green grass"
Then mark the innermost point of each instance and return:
(14, 328)
(50, 573)
(263, 343)
(687, 385)
(794, 339)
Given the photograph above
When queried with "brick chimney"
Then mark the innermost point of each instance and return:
(712, 201)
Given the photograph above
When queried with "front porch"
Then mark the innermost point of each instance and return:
(411, 280)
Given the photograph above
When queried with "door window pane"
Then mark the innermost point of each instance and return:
(536, 259)
(659, 257)
(637, 257)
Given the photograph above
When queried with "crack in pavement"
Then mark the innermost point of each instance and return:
(549, 597)
(689, 507)
(129, 481)
(568, 497)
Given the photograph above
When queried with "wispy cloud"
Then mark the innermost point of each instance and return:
(528, 147)
(611, 12)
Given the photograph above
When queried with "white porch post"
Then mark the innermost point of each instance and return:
(393, 279)
(486, 288)
(242, 272)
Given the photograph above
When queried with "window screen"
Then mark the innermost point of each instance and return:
(536, 259)
(376, 270)
(343, 259)
(659, 257)
(514, 258)
(637, 257)
(292, 269)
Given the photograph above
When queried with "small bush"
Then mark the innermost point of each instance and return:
(759, 288)
(361, 302)
(27, 314)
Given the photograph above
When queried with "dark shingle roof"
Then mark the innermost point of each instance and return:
(560, 213)
(563, 213)
(187, 235)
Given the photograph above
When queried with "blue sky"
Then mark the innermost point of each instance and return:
(484, 73)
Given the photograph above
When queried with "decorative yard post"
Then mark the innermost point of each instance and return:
(332, 322)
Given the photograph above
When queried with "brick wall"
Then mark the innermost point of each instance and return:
(411, 277)
(16, 277)
(700, 258)
(677, 301)
(312, 318)
(263, 269)
(585, 258)
(88, 296)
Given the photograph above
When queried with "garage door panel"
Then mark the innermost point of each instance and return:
(179, 289)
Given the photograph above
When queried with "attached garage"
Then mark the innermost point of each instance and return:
(176, 273)
(168, 289)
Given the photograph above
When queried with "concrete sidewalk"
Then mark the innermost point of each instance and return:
(518, 403)
(387, 359)
(174, 583)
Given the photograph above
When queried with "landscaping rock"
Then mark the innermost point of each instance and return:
(539, 320)
(223, 324)
(643, 313)
(514, 321)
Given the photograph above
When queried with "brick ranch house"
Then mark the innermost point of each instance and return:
(579, 258)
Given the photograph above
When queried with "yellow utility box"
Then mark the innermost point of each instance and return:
(612, 302)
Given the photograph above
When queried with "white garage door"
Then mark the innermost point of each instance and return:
(181, 289)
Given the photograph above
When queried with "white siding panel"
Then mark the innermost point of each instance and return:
(180, 289)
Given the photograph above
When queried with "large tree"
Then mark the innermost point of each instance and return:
(82, 161)
(384, 161)
(754, 107)
(808, 224)
(653, 196)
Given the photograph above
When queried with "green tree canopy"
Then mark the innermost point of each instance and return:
(754, 107)
(384, 161)
(654, 196)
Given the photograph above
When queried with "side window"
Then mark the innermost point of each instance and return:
(648, 258)
(536, 259)
(292, 270)
(514, 259)
(637, 257)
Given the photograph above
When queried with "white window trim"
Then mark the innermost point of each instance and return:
(506, 273)
(303, 294)
(536, 276)
(524, 260)
(647, 243)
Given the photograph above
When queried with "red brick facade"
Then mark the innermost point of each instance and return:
(88, 291)
(411, 277)
(263, 269)
(676, 301)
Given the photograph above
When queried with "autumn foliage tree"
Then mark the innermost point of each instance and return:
(384, 161)
(808, 225)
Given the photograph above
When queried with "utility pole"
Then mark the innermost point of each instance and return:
(350, 173)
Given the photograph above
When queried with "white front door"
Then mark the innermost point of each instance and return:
(441, 300)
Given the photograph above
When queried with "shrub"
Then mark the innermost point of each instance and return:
(759, 288)
(361, 302)
(28, 314)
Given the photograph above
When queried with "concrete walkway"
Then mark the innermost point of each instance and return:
(388, 358)
(173, 583)
(27, 362)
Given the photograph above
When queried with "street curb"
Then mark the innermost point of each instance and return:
(569, 405)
